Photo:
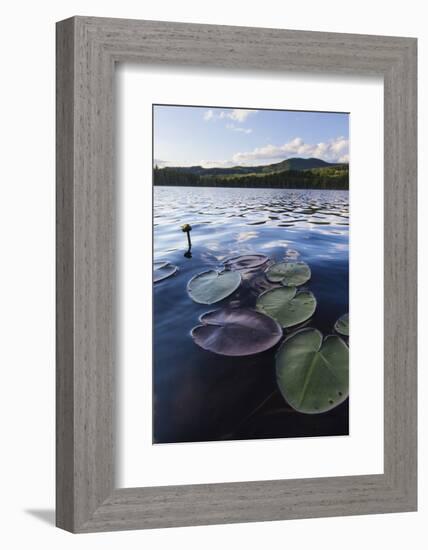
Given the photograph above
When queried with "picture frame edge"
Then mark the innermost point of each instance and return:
(87, 50)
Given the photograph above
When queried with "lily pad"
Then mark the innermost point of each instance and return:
(258, 284)
(247, 261)
(287, 306)
(236, 332)
(342, 325)
(212, 286)
(312, 374)
(162, 270)
(289, 273)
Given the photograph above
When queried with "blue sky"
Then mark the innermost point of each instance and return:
(214, 136)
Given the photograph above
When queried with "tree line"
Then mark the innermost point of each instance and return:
(317, 178)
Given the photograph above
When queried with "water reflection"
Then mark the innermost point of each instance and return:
(199, 396)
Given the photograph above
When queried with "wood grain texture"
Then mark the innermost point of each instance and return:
(87, 49)
(64, 277)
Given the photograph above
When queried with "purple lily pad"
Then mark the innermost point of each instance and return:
(159, 264)
(162, 270)
(246, 262)
(236, 332)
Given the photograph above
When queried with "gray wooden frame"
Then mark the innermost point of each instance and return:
(87, 50)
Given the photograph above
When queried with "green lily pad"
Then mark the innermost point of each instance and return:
(289, 273)
(258, 284)
(236, 332)
(162, 270)
(312, 374)
(287, 306)
(342, 325)
(212, 286)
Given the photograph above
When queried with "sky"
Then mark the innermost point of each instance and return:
(218, 136)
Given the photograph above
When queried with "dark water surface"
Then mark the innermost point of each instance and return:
(200, 396)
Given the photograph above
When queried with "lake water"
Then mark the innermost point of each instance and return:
(200, 396)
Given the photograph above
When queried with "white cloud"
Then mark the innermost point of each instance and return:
(160, 163)
(170, 163)
(237, 115)
(239, 129)
(334, 150)
(205, 163)
(208, 115)
(216, 163)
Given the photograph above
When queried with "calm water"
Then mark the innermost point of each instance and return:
(200, 396)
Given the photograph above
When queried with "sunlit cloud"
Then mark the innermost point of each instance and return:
(239, 129)
(334, 150)
(204, 163)
(208, 115)
(216, 163)
(237, 115)
(160, 163)
(170, 163)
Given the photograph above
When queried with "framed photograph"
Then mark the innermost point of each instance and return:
(227, 200)
(266, 256)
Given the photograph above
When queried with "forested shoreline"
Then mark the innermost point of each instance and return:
(332, 177)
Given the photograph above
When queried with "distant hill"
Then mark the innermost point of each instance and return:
(297, 164)
(294, 172)
(289, 164)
